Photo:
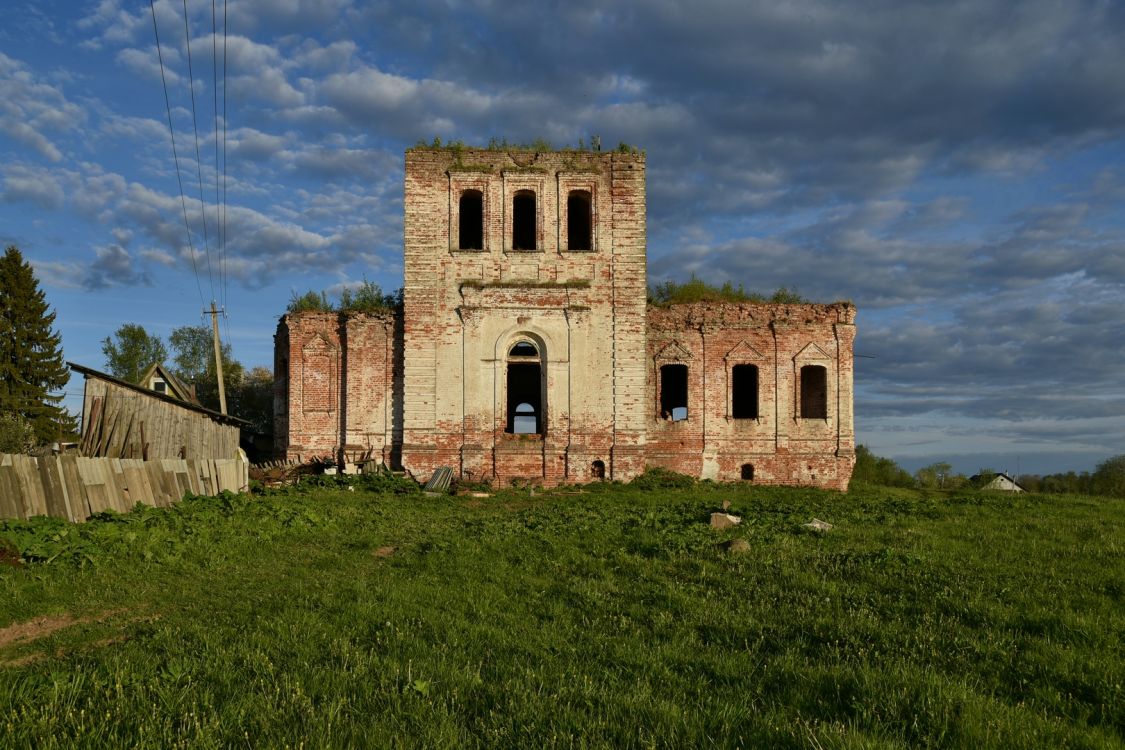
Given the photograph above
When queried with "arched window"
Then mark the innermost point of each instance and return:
(814, 392)
(748, 472)
(579, 220)
(673, 392)
(523, 220)
(744, 392)
(523, 349)
(470, 220)
(597, 469)
(526, 397)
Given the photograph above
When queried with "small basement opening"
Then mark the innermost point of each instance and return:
(597, 469)
(748, 472)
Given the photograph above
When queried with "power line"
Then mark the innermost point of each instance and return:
(215, 132)
(223, 216)
(198, 160)
(175, 154)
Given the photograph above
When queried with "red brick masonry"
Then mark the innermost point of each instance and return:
(428, 386)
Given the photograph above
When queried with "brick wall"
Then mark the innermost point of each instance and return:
(781, 445)
(335, 380)
(430, 388)
(582, 309)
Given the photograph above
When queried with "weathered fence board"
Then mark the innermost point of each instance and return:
(10, 505)
(75, 487)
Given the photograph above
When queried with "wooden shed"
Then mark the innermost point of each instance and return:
(125, 420)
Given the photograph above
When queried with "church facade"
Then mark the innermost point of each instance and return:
(526, 350)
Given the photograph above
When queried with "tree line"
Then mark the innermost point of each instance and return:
(1108, 478)
(132, 350)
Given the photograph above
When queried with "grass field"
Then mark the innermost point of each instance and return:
(378, 617)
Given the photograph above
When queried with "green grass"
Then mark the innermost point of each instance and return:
(603, 619)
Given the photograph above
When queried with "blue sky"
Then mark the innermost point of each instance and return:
(955, 169)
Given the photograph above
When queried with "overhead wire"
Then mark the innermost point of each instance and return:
(223, 217)
(175, 153)
(224, 271)
(198, 160)
(215, 139)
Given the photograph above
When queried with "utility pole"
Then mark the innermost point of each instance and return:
(218, 356)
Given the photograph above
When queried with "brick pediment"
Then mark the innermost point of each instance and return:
(743, 351)
(674, 352)
(812, 351)
(317, 344)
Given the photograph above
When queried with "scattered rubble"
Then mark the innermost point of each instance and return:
(724, 520)
(817, 525)
(735, 546)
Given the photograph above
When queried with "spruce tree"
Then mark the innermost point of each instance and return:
(31, 359)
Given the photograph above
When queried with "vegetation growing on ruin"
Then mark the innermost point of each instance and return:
(697, 290)
(368, 297)
(526, 284)
(537, 145)
(356, 610)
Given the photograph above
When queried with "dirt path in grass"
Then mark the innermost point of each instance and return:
(23, 633)
(37, 628)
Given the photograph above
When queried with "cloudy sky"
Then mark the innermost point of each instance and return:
(957, 169)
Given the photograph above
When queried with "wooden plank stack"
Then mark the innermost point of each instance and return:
(75, 487)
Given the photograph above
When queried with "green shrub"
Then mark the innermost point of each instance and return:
(657, 478)
(698, 290)
(16, 433)
(310, 301)
(368, 297)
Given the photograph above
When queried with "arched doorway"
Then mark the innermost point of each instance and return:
(527, 402)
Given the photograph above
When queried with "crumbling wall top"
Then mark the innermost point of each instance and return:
(721, 314)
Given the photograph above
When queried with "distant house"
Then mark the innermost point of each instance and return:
(161, 380)
(1001, 482)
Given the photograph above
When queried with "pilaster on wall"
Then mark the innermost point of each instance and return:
(630, 403)
(845, 374)
(426, 239)
(281, 401)
(783, 386)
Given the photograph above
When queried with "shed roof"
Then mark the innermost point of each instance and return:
(216, 416)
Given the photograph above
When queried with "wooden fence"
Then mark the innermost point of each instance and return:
(75, 487)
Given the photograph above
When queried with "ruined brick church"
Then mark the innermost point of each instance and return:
(526, 349)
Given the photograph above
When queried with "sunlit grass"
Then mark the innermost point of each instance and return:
(610, 618)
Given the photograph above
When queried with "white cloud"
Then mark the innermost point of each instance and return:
(29, 107)
(28, 185)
